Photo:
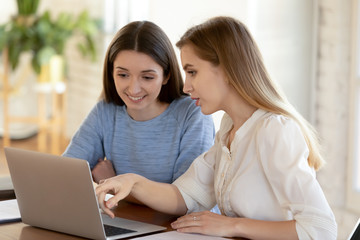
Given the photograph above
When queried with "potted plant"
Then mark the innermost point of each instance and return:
(43, 35)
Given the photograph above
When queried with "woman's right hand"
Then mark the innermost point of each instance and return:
(120, 186)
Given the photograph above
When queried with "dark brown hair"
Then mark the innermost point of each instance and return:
(145, 37)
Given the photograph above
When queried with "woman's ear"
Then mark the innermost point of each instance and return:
(166, 79)
(225, 76)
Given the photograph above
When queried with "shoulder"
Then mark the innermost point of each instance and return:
(184, 106)
(278, 123)
(102, 105)
(281, 145)
(185, 111)
(183, 103)
(104, 110)
(275, 127)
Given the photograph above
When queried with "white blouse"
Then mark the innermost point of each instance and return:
(264, 176)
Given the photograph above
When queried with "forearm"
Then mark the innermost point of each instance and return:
(162, 197)
(249, 228)
(131, 199)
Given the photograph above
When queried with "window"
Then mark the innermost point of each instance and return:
(353, 186)
(118, 13)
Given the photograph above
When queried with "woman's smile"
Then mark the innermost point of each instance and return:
(136, 99)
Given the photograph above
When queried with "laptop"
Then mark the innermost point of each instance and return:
(57, 193)
(355, 234)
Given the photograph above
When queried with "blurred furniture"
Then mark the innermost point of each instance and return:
(50, 123)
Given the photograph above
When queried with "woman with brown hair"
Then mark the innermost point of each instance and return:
(144, 123)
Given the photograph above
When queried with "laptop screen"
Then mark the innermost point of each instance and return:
(355, 235)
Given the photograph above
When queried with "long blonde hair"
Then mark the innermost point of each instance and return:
(226, 42)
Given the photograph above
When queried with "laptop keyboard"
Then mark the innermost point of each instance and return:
(112, 231)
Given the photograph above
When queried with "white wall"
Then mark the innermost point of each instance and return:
(332, 109)
(283, 29)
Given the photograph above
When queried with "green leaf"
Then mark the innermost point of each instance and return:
(3, 38)
(35, 64)
(45, 37)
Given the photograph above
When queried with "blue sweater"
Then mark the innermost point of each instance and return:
(160, 149)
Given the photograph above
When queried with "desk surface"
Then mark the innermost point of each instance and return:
(21, 231)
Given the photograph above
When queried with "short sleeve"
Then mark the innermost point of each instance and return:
(87, 142)
(283, 154)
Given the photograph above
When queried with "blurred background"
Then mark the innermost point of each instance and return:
(310, 48)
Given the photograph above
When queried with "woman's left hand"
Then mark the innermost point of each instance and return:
(208, 223)
(103, 169)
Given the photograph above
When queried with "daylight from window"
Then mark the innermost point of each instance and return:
(357, 140)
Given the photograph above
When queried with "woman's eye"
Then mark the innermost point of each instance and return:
(123, 75)
(191, 73)
(148, 77)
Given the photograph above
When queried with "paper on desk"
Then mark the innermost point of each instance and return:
(9, 211)
(174, 235)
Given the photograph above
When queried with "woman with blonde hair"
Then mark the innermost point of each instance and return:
(261, 171)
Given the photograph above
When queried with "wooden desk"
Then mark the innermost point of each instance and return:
(21, 231)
